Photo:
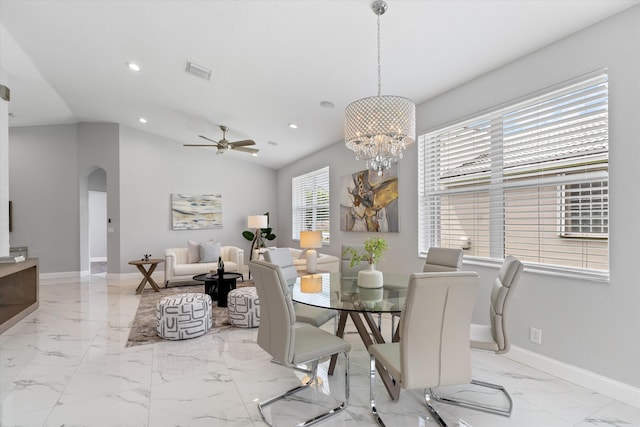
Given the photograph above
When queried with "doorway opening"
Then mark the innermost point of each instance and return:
(97, 221)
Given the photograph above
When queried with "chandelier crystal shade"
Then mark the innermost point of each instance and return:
(379, 128)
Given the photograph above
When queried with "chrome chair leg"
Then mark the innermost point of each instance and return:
(372, 398)
(434, 413)
(372, 392)
(471, 405)
(393, 325)
(312, 379)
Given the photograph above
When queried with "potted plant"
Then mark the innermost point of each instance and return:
(374, 248)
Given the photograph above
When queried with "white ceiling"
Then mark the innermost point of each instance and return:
(272, 62)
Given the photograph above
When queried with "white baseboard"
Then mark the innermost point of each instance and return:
(587, 379)
(72, 274)
(63, 274)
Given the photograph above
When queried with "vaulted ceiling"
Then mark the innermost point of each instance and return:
(272, 62)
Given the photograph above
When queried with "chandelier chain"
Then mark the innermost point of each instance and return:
(379, 67)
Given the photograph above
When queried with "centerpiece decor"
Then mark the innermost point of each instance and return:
(374, 248)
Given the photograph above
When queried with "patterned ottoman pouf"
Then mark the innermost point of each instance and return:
(244, 307)
(184, 316)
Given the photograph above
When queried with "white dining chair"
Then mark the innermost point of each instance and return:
(434, 337)
(294, 345)
(494, 337)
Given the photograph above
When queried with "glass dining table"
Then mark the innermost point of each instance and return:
(331, 291)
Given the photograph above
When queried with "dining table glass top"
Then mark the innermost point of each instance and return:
(331, 290)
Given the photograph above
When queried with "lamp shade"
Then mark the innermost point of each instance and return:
(310, 239)
(258, 221)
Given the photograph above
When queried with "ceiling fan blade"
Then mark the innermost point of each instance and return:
(245, 149)
(243, 143)
(200, 145)
(208, 139)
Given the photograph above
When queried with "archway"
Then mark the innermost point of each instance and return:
(93, 221)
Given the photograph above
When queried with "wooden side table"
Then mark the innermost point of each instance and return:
(152, 263)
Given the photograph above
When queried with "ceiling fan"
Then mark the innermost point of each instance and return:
(224, 145)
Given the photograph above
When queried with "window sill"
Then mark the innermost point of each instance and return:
(546, 270)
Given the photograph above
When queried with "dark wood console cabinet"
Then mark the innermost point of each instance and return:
(18, 291)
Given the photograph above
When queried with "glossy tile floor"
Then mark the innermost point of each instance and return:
(67, 365)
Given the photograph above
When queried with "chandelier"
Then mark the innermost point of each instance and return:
(379, 128)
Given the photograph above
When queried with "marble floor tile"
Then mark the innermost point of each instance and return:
(67, 364)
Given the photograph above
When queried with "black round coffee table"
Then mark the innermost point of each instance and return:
(216, 288)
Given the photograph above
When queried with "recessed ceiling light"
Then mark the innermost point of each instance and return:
(254, 154)
(132, 66)
(293, 126)
(327, 104)
(142, 120)
(272, 143)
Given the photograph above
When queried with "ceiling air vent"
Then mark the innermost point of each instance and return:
(198, 71)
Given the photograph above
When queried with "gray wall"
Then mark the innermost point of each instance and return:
(49, 180)
(43, 183)
(152, 168)
(590, 325)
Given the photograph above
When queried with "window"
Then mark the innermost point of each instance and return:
(529, 179)
(310, 203)
(586, 210)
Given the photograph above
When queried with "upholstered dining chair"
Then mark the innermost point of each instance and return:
(345, 262)
(434, 336)
(443, 259)
(315, 316)
(290, 344)
(494, 337)
(438, 260)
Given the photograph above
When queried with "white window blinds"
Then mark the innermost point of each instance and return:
(529, 180)
(310, 203)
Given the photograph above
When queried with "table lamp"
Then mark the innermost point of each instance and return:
(310, 240)
(257, 222)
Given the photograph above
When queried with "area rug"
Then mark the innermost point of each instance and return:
(144, 328)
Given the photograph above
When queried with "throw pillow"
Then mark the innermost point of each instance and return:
(303, 254)
(193, 251)
(209, 251)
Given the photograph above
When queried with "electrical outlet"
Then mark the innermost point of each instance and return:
(535, 335)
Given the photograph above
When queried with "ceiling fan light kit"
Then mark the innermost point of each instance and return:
(224, 145)
(379, 128)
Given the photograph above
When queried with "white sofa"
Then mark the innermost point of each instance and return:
(177, 268)
(326, 262)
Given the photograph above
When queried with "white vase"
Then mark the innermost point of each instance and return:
(370, 278)
(371, 294)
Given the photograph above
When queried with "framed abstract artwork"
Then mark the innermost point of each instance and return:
(369, 202)
(196, 211)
